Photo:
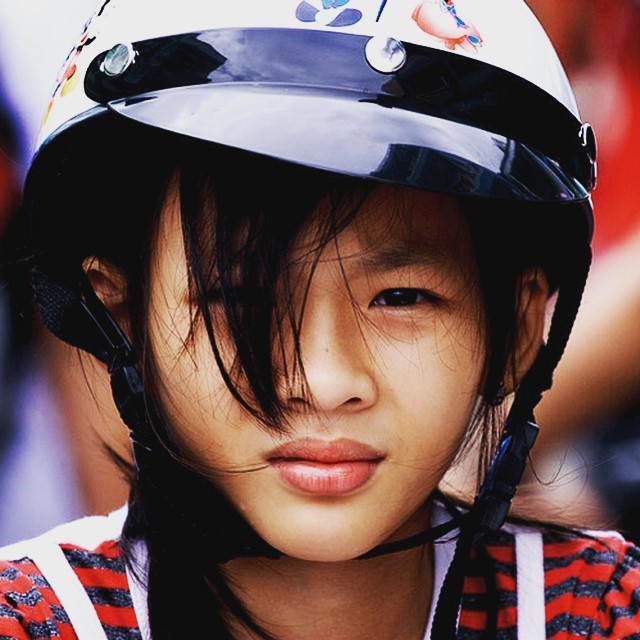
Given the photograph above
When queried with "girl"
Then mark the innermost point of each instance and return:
(315, 258)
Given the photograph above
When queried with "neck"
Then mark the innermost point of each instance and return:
(386, 598)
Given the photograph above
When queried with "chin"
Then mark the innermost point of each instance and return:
(314, 550)
(334, 531)
(330, 541)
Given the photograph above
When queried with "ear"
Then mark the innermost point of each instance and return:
(110, 285)
(532, 316)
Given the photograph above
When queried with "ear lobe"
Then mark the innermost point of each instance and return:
(109, 284)
(532, 315)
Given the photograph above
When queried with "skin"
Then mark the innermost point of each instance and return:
(386, 376)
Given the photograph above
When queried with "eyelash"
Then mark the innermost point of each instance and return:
(403, 297)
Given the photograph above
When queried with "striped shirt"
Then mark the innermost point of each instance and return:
(54, 587)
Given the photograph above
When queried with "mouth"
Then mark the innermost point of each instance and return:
(321, 468)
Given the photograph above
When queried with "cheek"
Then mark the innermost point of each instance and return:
(434, 383)
(202, 408)
(189, 382)
(440, 360)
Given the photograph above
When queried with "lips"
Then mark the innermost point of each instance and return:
(321, 468)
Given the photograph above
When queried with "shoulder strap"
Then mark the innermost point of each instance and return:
(46, 553)
(51, 561)
(137, 578)
(530, 585)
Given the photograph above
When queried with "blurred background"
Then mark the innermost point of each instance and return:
(587, 459)
(53, 462)
(586, 465)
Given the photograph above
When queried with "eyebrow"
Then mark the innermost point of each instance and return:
(398, 257)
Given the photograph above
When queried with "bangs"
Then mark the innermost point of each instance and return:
(241, 215)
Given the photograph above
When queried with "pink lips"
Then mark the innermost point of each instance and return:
(324, 468)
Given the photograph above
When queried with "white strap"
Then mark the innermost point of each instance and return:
(52, 563)
(138, 588)
(442, 557)
(530, 586)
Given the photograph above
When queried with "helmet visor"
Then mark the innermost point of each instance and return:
(440, 122)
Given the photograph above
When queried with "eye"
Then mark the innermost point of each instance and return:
(402, 297)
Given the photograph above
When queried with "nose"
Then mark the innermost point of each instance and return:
(339, 373)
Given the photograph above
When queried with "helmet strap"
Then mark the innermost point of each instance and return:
(71, 310)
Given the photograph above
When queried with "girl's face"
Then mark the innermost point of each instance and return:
(392, 343)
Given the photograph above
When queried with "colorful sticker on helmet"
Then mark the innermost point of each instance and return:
(441, 20)
(68, 78)
(329, 13)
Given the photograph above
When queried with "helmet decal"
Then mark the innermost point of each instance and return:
(441, 19)
(329, 13)
(68, 79)
(381, 9)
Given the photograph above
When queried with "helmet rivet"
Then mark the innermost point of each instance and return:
(118, 59)
(385, 55)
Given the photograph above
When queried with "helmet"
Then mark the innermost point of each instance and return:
(465, 97)
(406, 91)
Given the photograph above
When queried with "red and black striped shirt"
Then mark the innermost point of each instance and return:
(591, 588)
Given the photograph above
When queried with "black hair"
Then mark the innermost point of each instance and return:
(257, 218)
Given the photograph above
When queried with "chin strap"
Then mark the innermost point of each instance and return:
(71, 310)
(424, 537)
(486, 516)
(492, 505)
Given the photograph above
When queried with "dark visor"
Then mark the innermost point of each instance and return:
(443, 122)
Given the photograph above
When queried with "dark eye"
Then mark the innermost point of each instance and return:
(401, 298)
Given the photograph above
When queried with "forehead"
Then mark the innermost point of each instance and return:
(391, 225)
(398, 226)
(414, 217)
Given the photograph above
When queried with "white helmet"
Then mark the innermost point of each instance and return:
(461, 96)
